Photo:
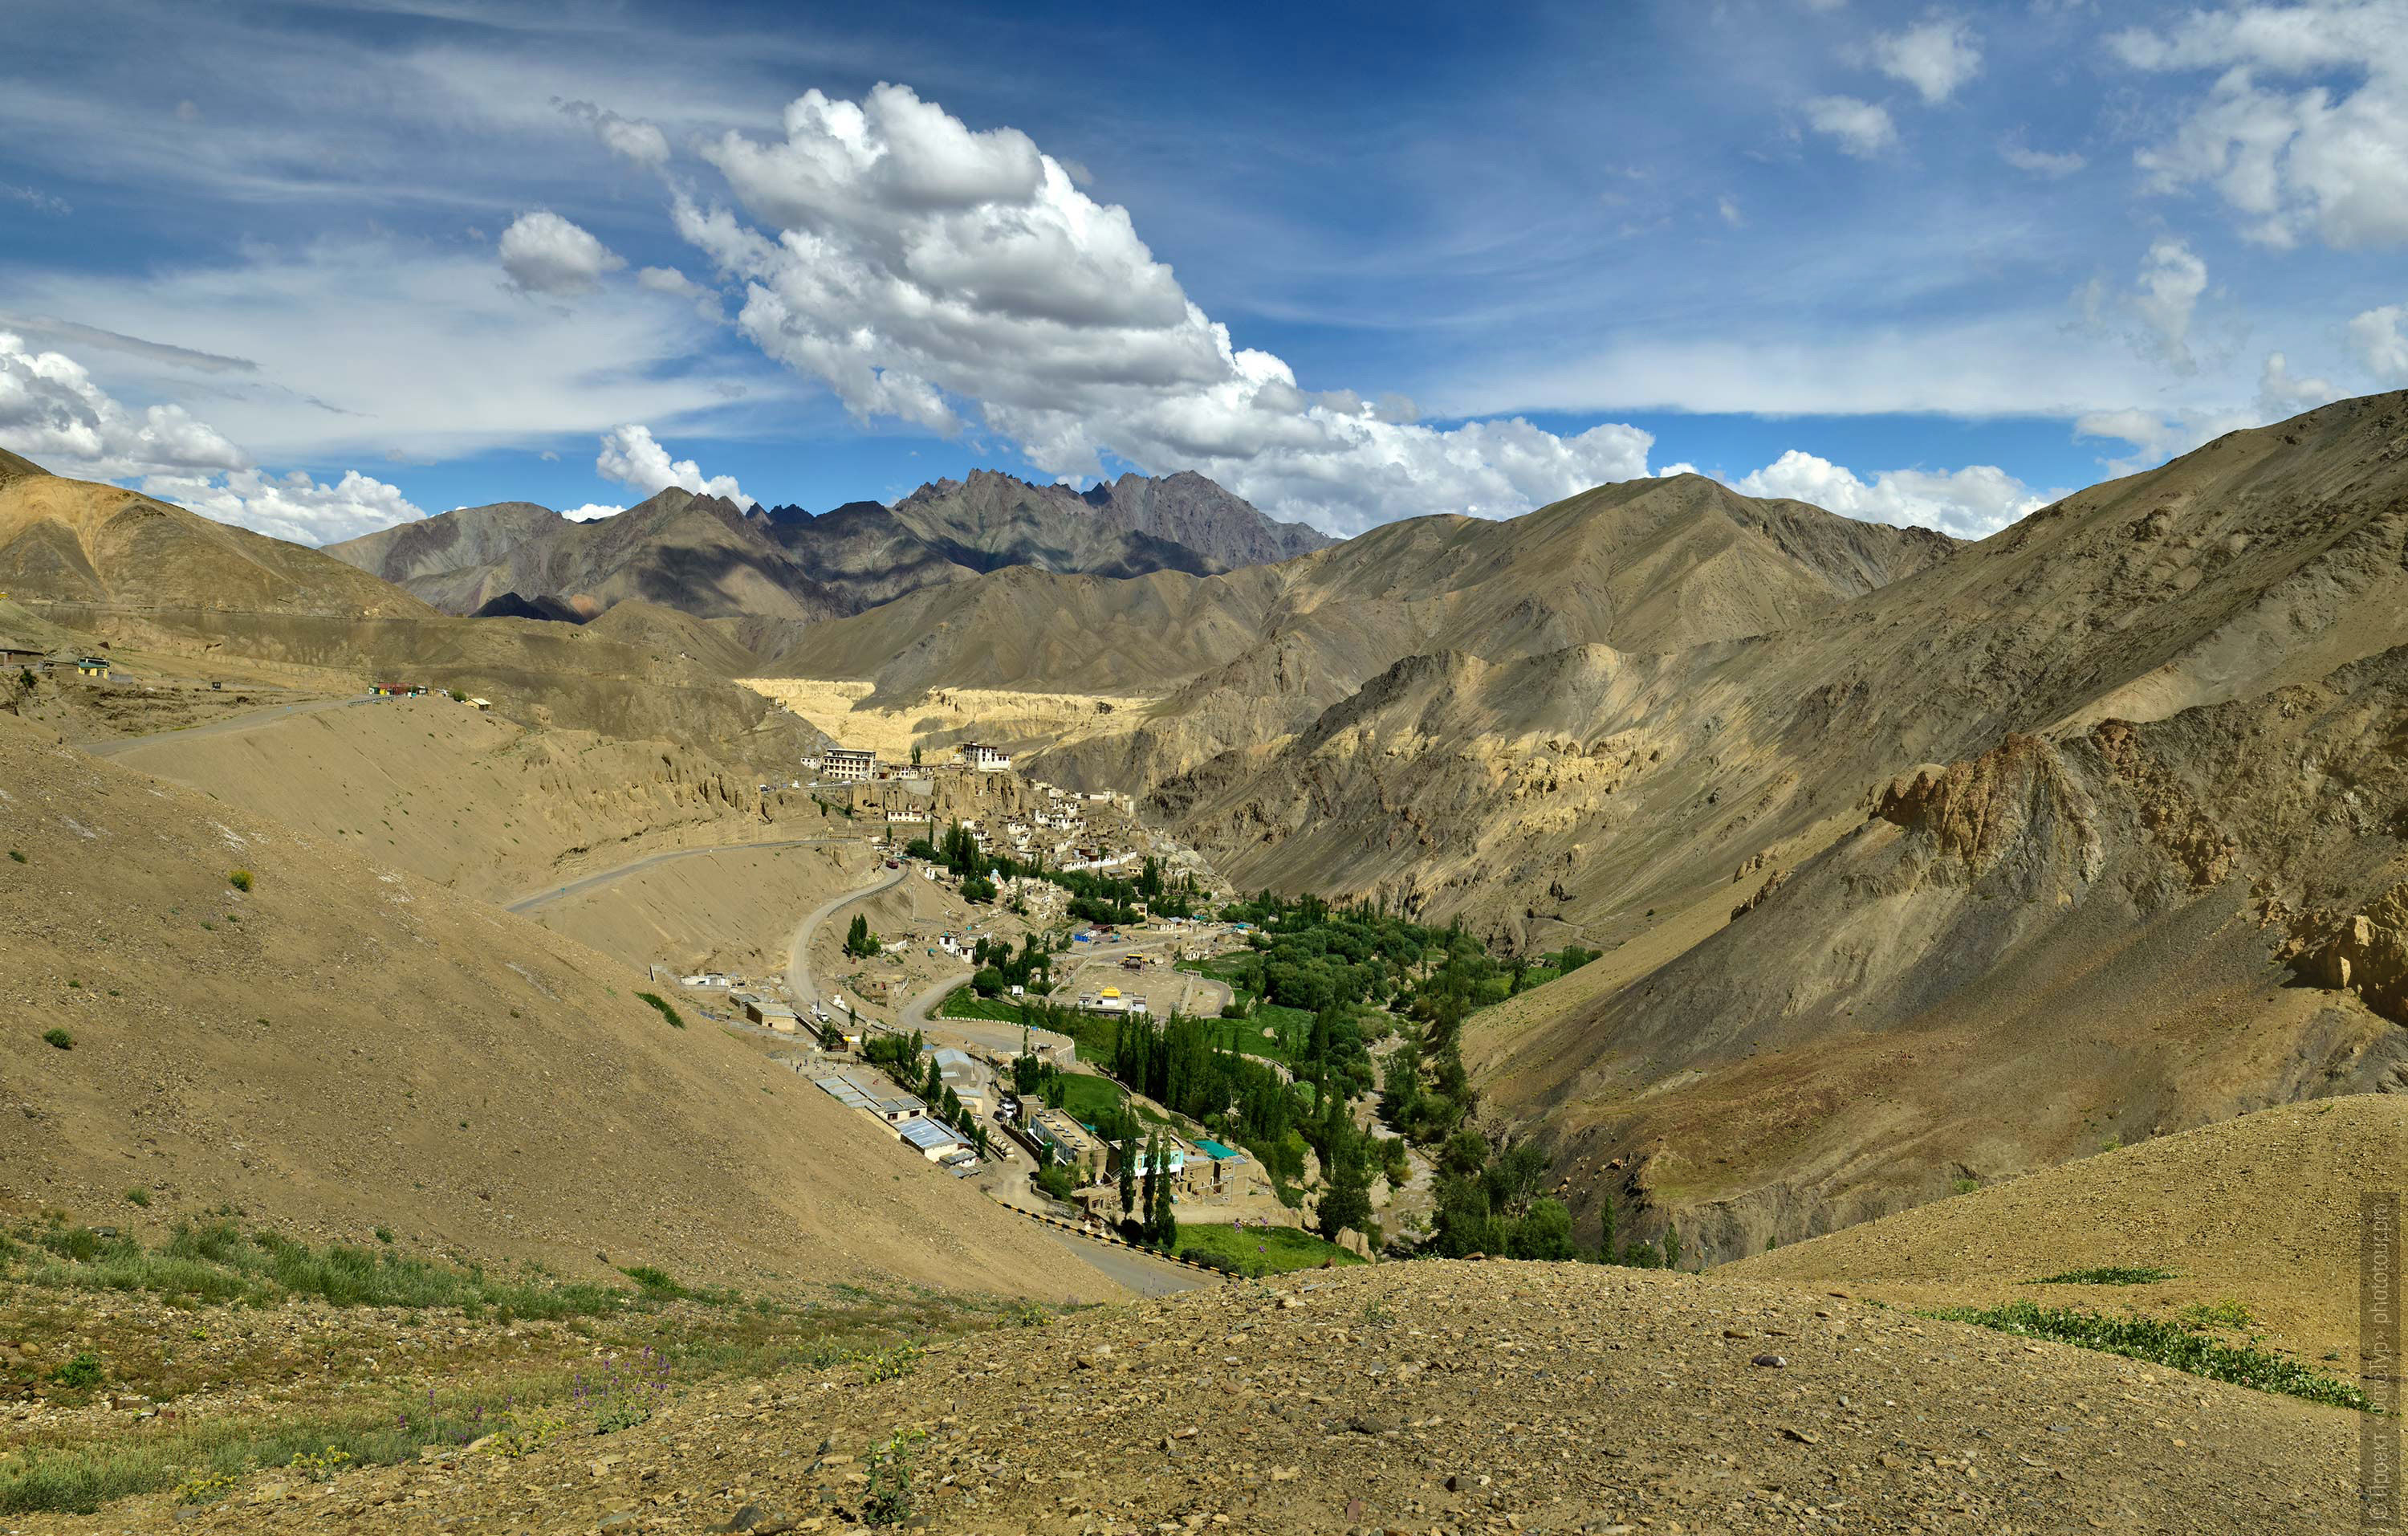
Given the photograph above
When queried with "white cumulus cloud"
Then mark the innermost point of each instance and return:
(2282, 394)
(1971, 503)
(545, 253)
(1935, 56)
(1861, 128)
(632, 137)
(2157, 435)
(2303, 129)
(2379, 338)
(52, 412)
(292, 506)
(631, 456)
(592, 512)
(2172, 281)
(959, 280)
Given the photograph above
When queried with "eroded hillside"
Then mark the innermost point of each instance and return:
(333, 1045)
(110, 566)
(484, 806)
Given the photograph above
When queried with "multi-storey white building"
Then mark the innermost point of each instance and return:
(844, 763)
(985, 758)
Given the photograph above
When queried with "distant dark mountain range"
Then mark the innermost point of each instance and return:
(707, 557)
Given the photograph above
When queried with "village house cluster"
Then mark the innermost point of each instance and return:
(1202, 1172)
(874, 1094)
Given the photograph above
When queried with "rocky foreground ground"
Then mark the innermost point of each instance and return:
(1424, 1398)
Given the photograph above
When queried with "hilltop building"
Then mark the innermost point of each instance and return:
(849, 765)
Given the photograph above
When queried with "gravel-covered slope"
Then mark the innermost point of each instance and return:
(1422, 1398)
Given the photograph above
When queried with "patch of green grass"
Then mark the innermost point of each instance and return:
(2106, 1275)
(1257, 1249)
(59, 1038)
(1279, 1016)
(662, 1004)
(219, 1262)
(211, 1457)
(80, 1373)
(2202, 1315)
(16, 855)
(1085, 1098)
(654, 1281)
(138, 1196)
(2161, 1344)
(963, 1003)
(240, 878)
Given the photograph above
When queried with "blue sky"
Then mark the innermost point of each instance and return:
(317, 267)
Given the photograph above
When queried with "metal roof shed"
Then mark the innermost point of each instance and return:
(928, 1138)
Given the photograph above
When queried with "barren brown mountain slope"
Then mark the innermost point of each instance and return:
(699, 554)
(342, 1046)
(15, 467)
(1448, 1397)
(2082, 930)
(1187, 508)
(2262, 1209)
(1237, 661)
(782, 563)
(119, 568)
(2266, 557)
(483, 805)
(448, 541)
(1023, 629)
(732, 911)
(98, 546)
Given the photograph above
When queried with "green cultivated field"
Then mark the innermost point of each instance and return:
(1257, 1249)
(1085, 1097)
(961, 1003)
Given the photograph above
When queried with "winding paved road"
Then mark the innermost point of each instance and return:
(798, 959)
(604, 877)
(248, 721)
(1143, 1275)
(990, 1034)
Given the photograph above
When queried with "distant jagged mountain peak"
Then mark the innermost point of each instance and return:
(1123, 527)
(706, 555)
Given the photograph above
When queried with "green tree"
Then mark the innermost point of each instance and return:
(1150, 1196)
(915, 754)
(1128, 1180)
(1346, 1202)
(987, 981)
(1165, 1225)
(1464, 1156)
(1462, 1224)
(1544, 1231)
(858, 940)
